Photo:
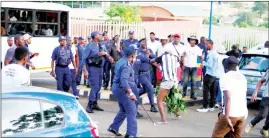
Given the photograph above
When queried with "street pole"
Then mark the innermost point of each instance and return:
(210, 20)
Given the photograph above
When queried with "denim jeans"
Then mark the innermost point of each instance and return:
(189, 73)
(263, 112)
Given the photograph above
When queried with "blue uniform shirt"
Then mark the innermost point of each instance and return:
(81, 50)
(108, 44)
(124, 74)
(92, 50)
(145, 61)
(128, 42)
(62, 56)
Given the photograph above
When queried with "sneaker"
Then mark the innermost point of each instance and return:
(153, 109)
(248, 128)
(211, 109)
(264, 133)
(202, 110)
(138, 115)
(77, 97)
(216, 105)
(114, 132)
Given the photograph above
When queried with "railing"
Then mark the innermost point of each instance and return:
(226, 36)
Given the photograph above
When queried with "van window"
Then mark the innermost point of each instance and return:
(20, 116)
(254, 62)
(46, 23)
(53, 115)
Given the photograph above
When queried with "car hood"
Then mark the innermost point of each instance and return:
(252, 78)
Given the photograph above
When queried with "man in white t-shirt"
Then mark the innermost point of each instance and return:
(16, 74)
(235, 101)
(192, 51)
(153, 44)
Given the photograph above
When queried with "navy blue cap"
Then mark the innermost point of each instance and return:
(131, 32)
(61, 38)
(130, 50)
(80, 38)
(94, 33)
(231, 60)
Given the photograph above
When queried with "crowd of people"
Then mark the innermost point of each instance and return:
(131, 68)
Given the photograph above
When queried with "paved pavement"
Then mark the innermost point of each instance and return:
(191, 124)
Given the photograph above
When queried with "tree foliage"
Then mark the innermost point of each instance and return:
(125, 13)
(215, 20)
(245, 19)
(260, 7)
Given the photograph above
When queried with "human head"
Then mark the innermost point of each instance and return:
(235, 47)
(27, 38)
(19, 40)
(105, 35)
(266, 44)
(170, 38)
(80, 40)
(96, 36)
(193, 40)
(245, 49)
(202, 40)
(209, 45)
(116, 38)
(75, 39)
(143, 43)
(62, 41)
(230, 63)
(69, 41)
(131, 34)
(21, 55)
(10, 41)
(176, 38)
(131, 53)
(152, 36)
(163, 40)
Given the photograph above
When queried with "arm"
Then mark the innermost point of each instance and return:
(152, 55)
(76, 57)
(125, 74)
(227, 103)
(259, 85)
(9, 56)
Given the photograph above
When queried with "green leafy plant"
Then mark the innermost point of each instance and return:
(173, 100)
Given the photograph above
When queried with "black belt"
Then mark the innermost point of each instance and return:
(61, 66)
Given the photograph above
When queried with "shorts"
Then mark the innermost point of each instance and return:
(168, 84)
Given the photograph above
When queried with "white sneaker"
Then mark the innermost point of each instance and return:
(248, 128)
(211, 109)
(264, 133)
(202, 110)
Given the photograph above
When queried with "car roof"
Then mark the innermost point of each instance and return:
(34, 89)
(257, 53)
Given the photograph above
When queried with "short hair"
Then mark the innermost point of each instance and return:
(104, 33)
(20, 53)
(266, 44)
(210, 42)
(17, 37)
(152, 33)
(245, 47)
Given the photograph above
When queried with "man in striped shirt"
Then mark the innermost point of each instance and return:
(169, 62)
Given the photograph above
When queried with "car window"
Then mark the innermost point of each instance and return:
(257, 63)
(20, 116)
(53, 115)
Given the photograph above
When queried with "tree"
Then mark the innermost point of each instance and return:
(260, 7)
(215, 20)
(125, 13)
(265, 23)
(245, 19)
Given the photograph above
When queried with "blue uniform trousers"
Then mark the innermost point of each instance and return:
(74, 84)
(63, 77)
(127, 109)
(80, 68)
(106, 77)
(95, 80)
(145, 80)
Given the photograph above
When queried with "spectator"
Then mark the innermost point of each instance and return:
(192, 51)
(19, 42)
(245, 49)
(27, 40)
(235, 110)
(47, 31)
(170, 38)
(3, 31)
(234, 52)
(153, 44)
(10, 41)
(16, 74)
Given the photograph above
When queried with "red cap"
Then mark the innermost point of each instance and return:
(176, 35)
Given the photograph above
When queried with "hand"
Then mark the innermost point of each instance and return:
(111, 60)
(133, 97)
(33, 67)
(36, 54)
(102, 53)
(230, 124)
(76, 71)
(52, 73)
(86, 74)
(148, 52)
(254, 97)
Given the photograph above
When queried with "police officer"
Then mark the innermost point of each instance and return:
(144, 72)
(62, 57)
(81, 48)
(94, 58)
(107, 66)
(74, 51)
(131, 40)
(122, 88)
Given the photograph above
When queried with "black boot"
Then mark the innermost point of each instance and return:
(153, 109)
(85, 83)
(89, 108)
(193, 97)
(96, 107)
(184, 95)
(88, 86)
(138, 115)
(114, 132)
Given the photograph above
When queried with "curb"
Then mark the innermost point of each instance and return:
(107, 95)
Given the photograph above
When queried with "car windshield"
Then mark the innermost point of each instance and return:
(254, 62)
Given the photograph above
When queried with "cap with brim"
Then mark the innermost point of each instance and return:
(62, 38)
(131, 32)
(222, 50)
(94, 33)
(141, 40)
(230, 60)
(176, 35)
(192, 38)
(130, 50)
(80, 38)
(26, 36)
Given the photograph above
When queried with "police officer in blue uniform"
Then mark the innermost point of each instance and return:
(107, 66)
(122, 88)
(144, 72)
(81, 48)
(62, 57)
(94, 58)
(130, 41)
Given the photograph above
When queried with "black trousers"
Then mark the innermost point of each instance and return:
(208, 88)
(263, 112)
